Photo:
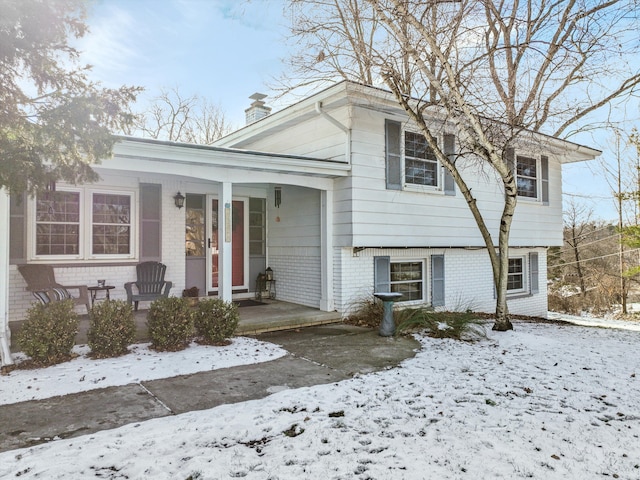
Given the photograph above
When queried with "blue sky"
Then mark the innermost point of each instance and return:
(226, 50)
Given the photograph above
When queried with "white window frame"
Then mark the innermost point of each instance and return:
(86, 227)
(524, 273)
(424, 279)
(537, 178)
(439, 187)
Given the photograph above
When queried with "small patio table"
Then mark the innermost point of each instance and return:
(100, 288)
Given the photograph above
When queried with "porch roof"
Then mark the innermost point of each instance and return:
(141, 154)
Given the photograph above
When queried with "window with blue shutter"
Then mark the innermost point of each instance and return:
(150, 222)
(449, 146)
(544, 180)
(393, 161)
(437, 281)
(534, 272)
(381, 274)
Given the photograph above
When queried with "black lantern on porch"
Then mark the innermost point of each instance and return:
(178, 198)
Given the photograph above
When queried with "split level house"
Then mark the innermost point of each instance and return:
(337, 194)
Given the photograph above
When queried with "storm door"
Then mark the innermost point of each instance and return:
(239, 245)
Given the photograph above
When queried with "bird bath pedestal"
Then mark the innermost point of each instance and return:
(387, 327)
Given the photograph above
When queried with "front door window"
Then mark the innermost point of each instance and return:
(237, 243)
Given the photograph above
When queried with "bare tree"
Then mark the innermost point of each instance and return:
(578, 226)
(501, 72)
(177, 118)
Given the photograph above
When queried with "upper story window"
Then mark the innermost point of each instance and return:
(527, 177)
(412, 165)
(532, 177)
(84, 224)
(420, 162)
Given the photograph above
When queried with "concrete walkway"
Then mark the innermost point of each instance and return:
(317, 355)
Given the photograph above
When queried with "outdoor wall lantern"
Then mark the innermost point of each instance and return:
(277, 193)
(178, 198)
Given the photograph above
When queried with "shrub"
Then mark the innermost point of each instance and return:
(215, 321)
(366, 312)
(170, 323)
(111, 328)
(48, 334)
(463, 325)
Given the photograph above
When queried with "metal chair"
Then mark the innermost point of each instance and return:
(150, 284)
(41, 282)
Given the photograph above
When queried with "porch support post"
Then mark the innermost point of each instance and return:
(5, 332)
(326, 250)
(225, 228)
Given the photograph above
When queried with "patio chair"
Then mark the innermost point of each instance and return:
(150, 284)
(41, 282)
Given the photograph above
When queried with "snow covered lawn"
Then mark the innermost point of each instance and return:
(141, 364)
(545, 401)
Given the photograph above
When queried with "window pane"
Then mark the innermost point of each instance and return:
(527, 177)
(195, 232)
(421, 173)
(515, 279)
(407, 278)
(257, 226)
(58, 223)
(420, 161)
(111, 230)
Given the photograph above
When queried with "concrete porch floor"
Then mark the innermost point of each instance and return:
(272, 315)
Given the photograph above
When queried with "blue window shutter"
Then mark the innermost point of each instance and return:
(437, 281)
(381, 274)
(393, 160)
(17, 229)
(534, 272)
(449, 146)
(150, 222)
(544, 175)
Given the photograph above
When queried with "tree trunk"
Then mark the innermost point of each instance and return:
(502, 320)
(576, 256)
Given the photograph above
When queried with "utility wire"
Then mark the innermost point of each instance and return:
(581, 245)
(596, 258)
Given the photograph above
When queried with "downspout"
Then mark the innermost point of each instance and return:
(345, 129)
(5, 332)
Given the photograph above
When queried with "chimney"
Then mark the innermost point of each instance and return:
(258, 109)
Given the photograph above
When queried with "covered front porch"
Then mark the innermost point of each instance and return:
(255, 318)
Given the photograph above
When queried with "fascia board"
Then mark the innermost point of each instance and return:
(127, 153)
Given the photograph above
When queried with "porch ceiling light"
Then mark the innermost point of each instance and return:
(178, 198)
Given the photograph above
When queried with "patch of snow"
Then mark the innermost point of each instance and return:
(141, 364)
(546, 401)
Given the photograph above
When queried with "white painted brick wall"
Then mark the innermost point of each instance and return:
(297, 275)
